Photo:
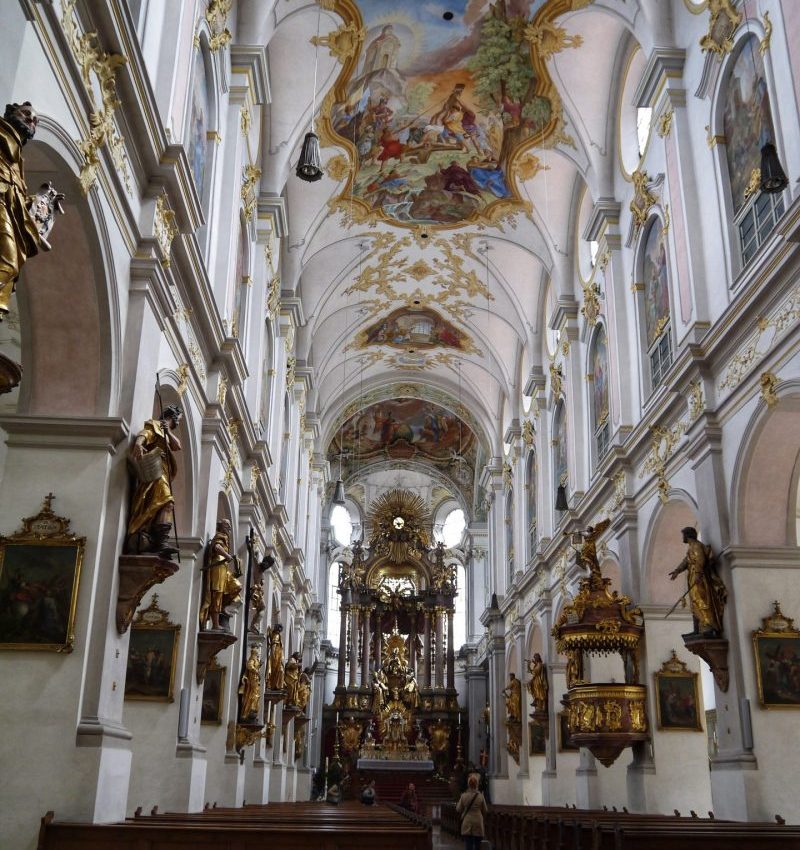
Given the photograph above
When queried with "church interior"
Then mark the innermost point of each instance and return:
(400, 397)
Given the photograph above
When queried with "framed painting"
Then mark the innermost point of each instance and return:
(536, 738)
(677, 697)
(777, 649)
(565, 744)
(213, 694)
(152, 653)
(40, 568)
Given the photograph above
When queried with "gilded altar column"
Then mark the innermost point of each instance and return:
(343, 615)
(451, 658)
(439, 647)
(412, 639)
(427, 649)
(365, 649)
(353, 645)
(378, 640)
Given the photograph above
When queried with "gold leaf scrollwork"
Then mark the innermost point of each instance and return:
(643, 199)
(664, 123)
(763, 45)
(102, 130)
(768, 382)
(696, 400)
(343, 42)
(590, 309)
(549, 38)
(291, 363)
(217, 17)
(754, 184)
(274, 297)
(250, 177)
(338, 167)
(528, 166)
(662, 448)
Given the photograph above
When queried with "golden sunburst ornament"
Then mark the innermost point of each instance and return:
(402, 505)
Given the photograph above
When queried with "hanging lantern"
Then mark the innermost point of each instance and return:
(338, 493)
(308, 167)
(773, 177)
(561, 498)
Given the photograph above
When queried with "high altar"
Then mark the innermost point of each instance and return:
(397, 705)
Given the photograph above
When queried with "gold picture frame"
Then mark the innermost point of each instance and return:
(678, 702)
(152, 655)
(213, 698)
(776, 646)
(40, 570)
(537, 738)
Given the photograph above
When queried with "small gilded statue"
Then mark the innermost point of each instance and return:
(513, 694)
(250, 687)
(380, 691)
(275, 658)
(25, 222)
(707, 593)
(291, 678)
(221, 571)
(152, 507)
(537, 686)
(304, 689)
(587, 554)
(257, 607)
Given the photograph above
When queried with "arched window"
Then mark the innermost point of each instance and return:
(509, 521)
(655, 274)
(240, 283)
(530, 489)
(341, 525)
(560, 463)
(453, 527)
(747, 127)
(200, 125)
(334, 609)
(287, 433)
(460, 612)
(598, 370)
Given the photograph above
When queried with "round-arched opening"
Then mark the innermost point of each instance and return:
(341, 525)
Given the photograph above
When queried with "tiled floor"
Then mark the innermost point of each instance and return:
(443, 841)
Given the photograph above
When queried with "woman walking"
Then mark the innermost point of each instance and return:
(472, 807)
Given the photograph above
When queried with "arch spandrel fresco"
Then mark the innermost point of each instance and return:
(437, 115)
(407, 429)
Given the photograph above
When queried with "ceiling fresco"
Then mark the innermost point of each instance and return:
(414, 329)
(407, 429)
(436, 113)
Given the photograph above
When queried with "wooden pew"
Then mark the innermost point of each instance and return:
(289, 826)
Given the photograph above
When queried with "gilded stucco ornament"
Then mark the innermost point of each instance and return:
(165, 229)
(769, 382)
(217, 17)
(251, 174)
(662, 448)
(643, 199)
(337, 167)
(723, 22)
(590, 309)
(664, 123)
(96, 63)
(344, 42)
(548, 38)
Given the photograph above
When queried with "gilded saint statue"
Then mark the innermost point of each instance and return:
(221, 571)
(537, 686)
(256, 608)
(587, 554)
(513, 694)
(25, 222)
(250, 687)
(291, 678)
(707, 593)
(275, 658)
(152, 507)
(380, 691)
(304, 689)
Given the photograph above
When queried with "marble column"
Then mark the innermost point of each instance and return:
(345, 613)
(451, 658)
(439, 647)
(426, 649)
(353, 646)
(365, 649)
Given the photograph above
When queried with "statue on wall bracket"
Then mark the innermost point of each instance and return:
(707, 596)
(147, 557)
